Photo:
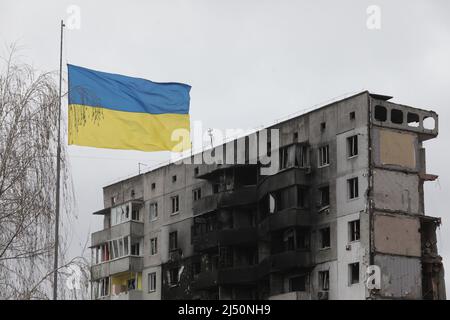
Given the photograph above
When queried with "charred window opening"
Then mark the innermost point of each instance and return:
(245, 176)
(297, 283)
(323, 125)
(325, 238)
(352, 115)
(413, 120)
(226, 257)
(173, 277)
(289, 239)
(353, 270)
(354, 230)
(396, 116)
(173, 241)
(301, 197)
(380, 113)
(324, 193)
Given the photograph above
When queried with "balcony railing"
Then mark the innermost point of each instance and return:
(227, 276)
(130, 228)
(123, 264)
(293, 217)
(241, 196)
(228, 237)
(283, 179)
(127, 295)
(285, 261)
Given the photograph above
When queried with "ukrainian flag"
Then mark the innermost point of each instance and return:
(119, 112)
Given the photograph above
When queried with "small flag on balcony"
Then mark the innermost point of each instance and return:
(119, 112)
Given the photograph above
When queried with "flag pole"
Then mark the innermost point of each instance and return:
(58, 175)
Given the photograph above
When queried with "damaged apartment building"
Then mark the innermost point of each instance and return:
(347, 195)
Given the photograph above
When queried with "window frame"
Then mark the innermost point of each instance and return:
(354, 231)
(324, 280)
(151, 280)
(197, 194)
(352, 146)
(175, 205)
(323, 156)
(321, 232)
(171, 248)
(155, 216)
(322, 190)
(153, 245)
(351, 271)
(353, 188)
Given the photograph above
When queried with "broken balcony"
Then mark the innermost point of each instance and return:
(227, 276)
(241, 196)
(226, 237)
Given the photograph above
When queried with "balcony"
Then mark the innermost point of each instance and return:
(205, 204)
(127, 295)
(287, 218)
(215, 171)
(238, 275)
(283, 179)
(130, 228)
(127, 263)
(294, 295)
(228, 276)
(205, 280)
(423, 122)
(228, 237)
(241, 196)
(285, 261)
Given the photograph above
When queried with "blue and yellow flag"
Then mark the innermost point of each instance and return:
(119, 112)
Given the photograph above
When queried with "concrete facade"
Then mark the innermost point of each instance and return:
(309, 231)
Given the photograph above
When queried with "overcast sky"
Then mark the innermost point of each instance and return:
(249, 63)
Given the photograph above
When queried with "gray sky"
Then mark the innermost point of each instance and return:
(249, 63)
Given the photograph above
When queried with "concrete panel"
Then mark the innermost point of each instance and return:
(400, 277)
(346, 165)
(397, 235)
(153, 295)
(398, 148)
(332, 268)
(351, 252)
(396, 191)
(343, 203)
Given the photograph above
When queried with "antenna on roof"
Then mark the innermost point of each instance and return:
(210, 133)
